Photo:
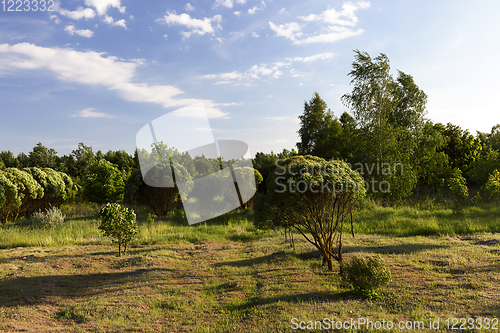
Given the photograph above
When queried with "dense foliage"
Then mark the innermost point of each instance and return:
(104, 182)
(33, 189)
(312, 196)
(119, 223)
(366, 273)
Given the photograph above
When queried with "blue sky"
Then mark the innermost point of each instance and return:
(97, 71)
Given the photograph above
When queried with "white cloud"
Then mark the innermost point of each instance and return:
(287, 30)
(189, 7)
(255, 35)
(264, 71)
(197, 26)
(237, 13)
(102, 6)
(242, 2)
(92, 68)
(89, 113)
(225, 3)
(344, 17)
(86, 13)
(340, 33)
(339, 27)
(55, 18)
(84, 33)
(252, 10)
(320, 56)
(111, 21)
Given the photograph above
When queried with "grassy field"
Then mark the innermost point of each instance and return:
(225, 276)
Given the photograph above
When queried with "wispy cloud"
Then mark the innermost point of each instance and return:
(265, 71)
(254, 9)
(189, 7)
(89, 113)
(80, 13)
(346, 16)
(288, 30)
(111, 21)
(102, 6)
(84, 33)
(92, 68)
(197, 26)
(339, 25)
(225, 3)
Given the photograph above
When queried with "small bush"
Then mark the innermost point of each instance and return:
(119, 223)
(50, 219)
(458, 185)
(366, 274)
(491, 190)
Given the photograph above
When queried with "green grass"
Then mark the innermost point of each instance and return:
(226, 276)
(427, 218)
(424, 217)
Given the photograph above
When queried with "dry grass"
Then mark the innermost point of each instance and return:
(235, 286)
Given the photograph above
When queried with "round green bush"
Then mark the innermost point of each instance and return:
(366, 273)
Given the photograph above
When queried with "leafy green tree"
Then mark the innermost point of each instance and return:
(23, 160)
(245, 178)
(122, 159)
(491, 139)
(484, 165)
(9, 198)
(84, 156)
(161, 199)
(458, 185)
(103, 182)
(390, 115)
(349, 141)
(491, 190)
(8, 159)
(461, 147)
(319, 129)
(119, 223)
(205, 166)
(312, 196)
(42, 157)
(28, 190)
(2, 166)
(432, 165)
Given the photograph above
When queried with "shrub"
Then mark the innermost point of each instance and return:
(491, 190)
(366, 273)
(118, 223)
(50, 219)
(314, 197)
(458, 185)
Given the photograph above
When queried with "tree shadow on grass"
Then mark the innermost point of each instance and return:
(394, 249)
(324, 296)
(277, 256)
(34, 290)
